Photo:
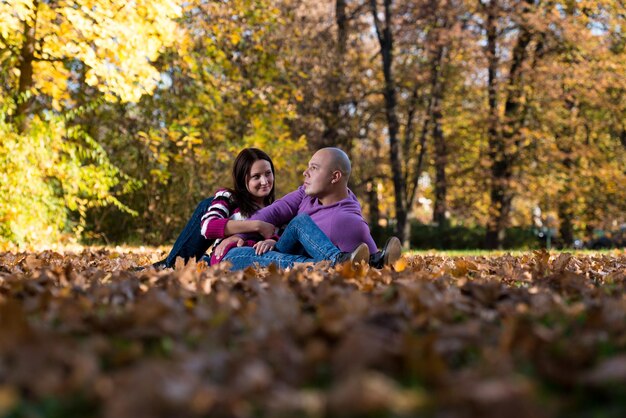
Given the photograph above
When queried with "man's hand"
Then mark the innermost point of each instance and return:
(262, 247)
(266, 229)
(221, 247)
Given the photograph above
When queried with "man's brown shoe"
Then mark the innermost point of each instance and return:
(360, 253)
(390, 253)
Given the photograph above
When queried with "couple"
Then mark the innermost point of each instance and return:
(322, 219)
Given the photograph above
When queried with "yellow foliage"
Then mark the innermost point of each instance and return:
(117, 41)
(45, 172)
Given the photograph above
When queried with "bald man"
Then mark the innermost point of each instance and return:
(322, 205)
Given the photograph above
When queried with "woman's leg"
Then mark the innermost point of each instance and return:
(190, 243)
(302, 232)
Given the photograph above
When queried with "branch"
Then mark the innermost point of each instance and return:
(377, 23)
(357, 11)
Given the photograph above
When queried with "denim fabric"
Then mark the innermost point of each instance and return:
(242, 257)
(303, 234)
(190, 243)
(301, 242)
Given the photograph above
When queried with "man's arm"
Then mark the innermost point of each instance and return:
(280, 212)
(350, 230)
(363, 230)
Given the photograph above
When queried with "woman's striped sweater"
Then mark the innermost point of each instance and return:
(222, 209)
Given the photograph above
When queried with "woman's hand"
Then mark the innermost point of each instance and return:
(266, 229)
(262, 247)
(221, 247)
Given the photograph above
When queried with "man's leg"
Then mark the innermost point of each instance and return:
(302, 232)
(242, 257)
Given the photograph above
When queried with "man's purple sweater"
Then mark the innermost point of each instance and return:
(342, 221)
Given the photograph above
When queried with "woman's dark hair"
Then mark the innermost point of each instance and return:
(241, 170)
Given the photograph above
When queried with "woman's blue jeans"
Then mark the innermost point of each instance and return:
(190, 243)
(301, 242)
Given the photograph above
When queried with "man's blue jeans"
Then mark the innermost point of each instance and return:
(190, 242)
(301, 242)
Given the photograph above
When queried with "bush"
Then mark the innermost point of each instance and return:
(464, 237)
(50, 175)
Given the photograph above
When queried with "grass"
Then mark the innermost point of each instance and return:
(498, 253)
(469, 252)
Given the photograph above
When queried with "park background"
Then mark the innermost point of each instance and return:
(461, 117)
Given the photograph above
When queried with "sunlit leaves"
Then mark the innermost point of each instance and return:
(117, 41)
(52, 53)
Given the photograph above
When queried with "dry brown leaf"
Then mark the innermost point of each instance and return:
(450, 333)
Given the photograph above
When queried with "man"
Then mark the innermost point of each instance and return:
(326, 199)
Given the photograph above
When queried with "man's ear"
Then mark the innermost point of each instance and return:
(336, 176)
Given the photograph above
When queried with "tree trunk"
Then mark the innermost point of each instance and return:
(566, 228)
(504, 147)
(441, 148)
(23, 98)
(412, 176)
(333, 135)
(341, 20)
(567, 196)
(565, 207)
(494, 237)
(385, 39)
(372, 200)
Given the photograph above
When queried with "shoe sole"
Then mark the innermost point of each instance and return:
(393, 251)
(360, 254)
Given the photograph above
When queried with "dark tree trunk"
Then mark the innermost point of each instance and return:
(567, 196)
(495, 230)
(23, 98)
(566, 228)
(504, 146)
(441, 148)
(342, 28)
(372, 200)
(565, 207)
(385, 39)
(333, 135)
(419, 166)
(412, 178)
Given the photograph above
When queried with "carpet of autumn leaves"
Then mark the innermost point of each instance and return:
(534, 335)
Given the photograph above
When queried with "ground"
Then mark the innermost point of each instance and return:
(533, 334)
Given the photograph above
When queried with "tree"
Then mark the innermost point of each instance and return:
(228, 86)
(48, 50)
(540, 36)
(115, 41)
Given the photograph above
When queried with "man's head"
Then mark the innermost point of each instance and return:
(327, 174)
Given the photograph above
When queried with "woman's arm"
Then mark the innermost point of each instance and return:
(267, 230)
(216, 224)
(215, 219)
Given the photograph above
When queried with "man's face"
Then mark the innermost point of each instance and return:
(318, 175)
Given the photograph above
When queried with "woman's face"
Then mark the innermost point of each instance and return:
(260, 179)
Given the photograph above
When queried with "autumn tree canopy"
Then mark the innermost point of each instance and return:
(117, 117)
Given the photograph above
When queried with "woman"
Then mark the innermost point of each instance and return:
(226, 212)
